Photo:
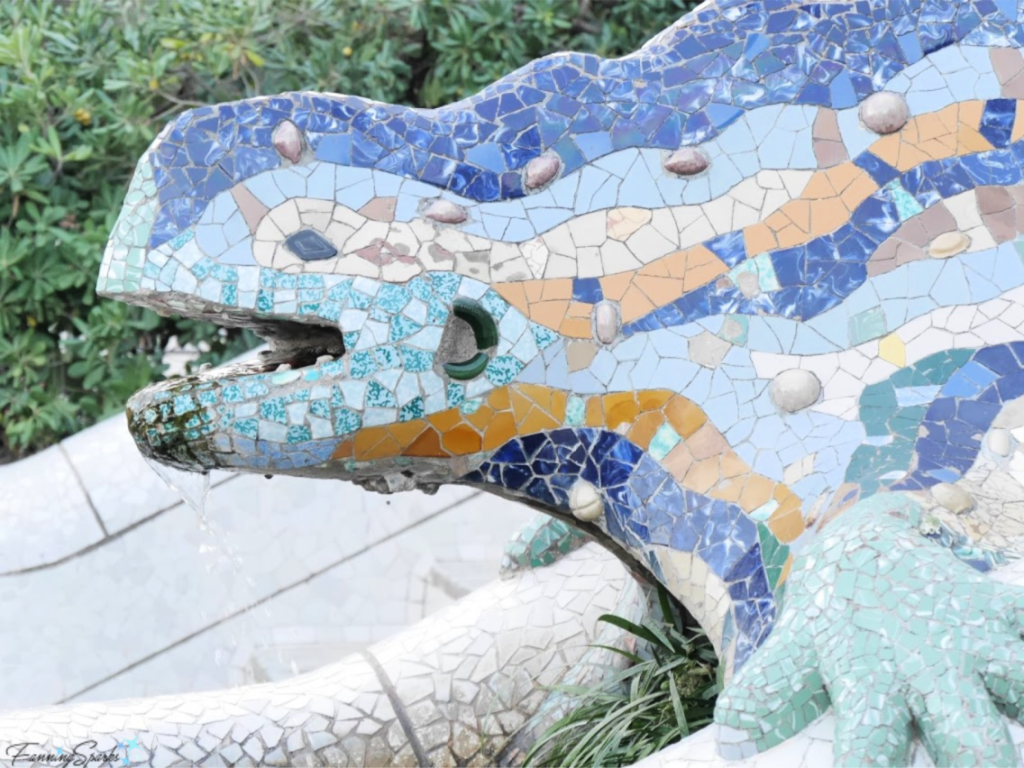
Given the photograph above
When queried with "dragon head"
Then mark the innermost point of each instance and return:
(622, 290)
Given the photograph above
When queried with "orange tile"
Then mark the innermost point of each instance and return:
(676, 264)
(407, 431)
(644, 427)
(514, 294)
(759, 238)
(888, 147)
(613, 287)
(499, 399)
(678, 461)
(702, 476)
(634, 304)
(550, 314)
(366, 439)
(576, 328)
(620, 408)
(858, 191)
(727, 490)
(733, 465)
(660, 290)
(501, 429)
(558, 288)
(819, 186)
(461, 441)
(841, 176)
(344, 450)
(685, 417)
(911, 156)
(480, 418)
(784, 574)
(799, 212)
(539, 393)
(559, 399)
(827, 216)
(520, 405)
(786, 525)
(595, 412)
(653, 399)
(970, 141)
(427, 445)
(445, 420)
(659, 267)
(579, 309)
(704, 267)
(537, 421)
(387, 448)
(534, 290)
(757, 490)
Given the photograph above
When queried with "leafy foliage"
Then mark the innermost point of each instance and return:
(85, 85)
(668, 693)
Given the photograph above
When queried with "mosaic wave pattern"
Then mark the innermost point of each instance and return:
(746, 306)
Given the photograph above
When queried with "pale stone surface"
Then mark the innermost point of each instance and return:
(606, 322)
(687, 161)
(541, 170)
(953, 497)
(445, 212)
(287, 140)
(948, 244)
(999, 442)
(795, 389)
(884, 112)
(585, 502)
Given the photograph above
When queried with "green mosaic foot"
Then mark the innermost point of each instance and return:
(896, 634)
(540, 542)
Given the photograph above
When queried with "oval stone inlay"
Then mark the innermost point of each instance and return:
(687, 161)
(953, 497)
(949, 244)
(585, 502)
(287, 140)
(884, 112)
(606, 322)
(541, 170)
(445, 212)
(795, 389)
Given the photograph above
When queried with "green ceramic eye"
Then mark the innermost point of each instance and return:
(485, 331)
(469, 369)
(480, 320)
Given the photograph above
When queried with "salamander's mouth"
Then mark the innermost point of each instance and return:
(291, 346)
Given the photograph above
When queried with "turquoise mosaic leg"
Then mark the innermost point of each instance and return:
(899, 635)
(873, 720)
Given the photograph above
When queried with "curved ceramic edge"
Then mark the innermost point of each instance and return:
(451, 690)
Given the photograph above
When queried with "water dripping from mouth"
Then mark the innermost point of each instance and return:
(223, 563)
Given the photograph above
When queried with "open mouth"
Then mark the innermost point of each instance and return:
(297, 345)
(291, 346)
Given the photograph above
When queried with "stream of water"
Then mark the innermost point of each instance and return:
(225, 565)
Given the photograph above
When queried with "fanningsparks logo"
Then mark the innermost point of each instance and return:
(82, 754)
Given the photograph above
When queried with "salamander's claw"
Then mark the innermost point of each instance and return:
(896, 634)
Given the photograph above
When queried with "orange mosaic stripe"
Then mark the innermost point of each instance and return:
(701, 462)
(826, 204)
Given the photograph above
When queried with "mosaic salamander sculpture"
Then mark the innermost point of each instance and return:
(745, 306)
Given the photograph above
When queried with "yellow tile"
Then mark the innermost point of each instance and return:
(893, 350)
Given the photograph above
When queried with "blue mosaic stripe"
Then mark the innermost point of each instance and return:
(957, 420)
(646, 506)
(822, 273)
(683, 88)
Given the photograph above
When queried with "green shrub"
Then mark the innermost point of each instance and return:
(667, 693)
(85, 85)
